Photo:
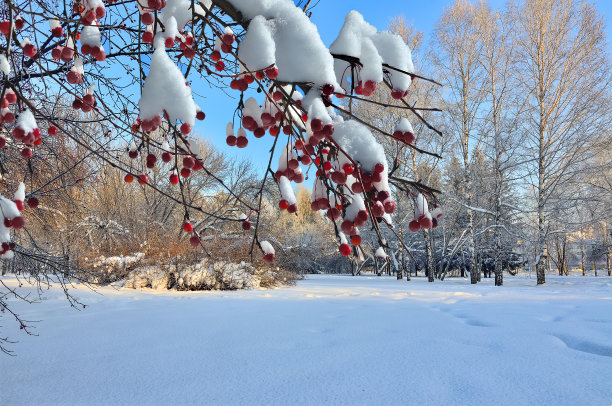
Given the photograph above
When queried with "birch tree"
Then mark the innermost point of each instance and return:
(565, 73)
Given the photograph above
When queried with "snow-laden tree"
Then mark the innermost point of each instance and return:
(114, 80)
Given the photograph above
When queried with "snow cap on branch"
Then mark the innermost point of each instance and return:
(165, 89)
(300, 54)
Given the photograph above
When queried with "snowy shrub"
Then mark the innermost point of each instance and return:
(205, 275)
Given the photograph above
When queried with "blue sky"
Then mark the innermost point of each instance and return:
(328, 15)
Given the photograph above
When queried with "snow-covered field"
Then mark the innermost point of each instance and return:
(328, 340)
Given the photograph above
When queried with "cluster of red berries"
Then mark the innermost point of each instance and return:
(97, 52)
(29, 139)
(5, 26)
(6, 116)
(366, 89)
(86, 104)
(91, 14)
(404, 136)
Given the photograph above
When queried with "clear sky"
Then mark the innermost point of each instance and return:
(329, 15)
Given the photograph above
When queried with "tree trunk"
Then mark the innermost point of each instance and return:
(430, 259)
(400, 266)
(607, 247)
(582, 264)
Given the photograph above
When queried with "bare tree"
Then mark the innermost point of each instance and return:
(458, 51)
(565, 74)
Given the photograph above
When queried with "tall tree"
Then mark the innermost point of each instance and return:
(565, 74)
(457, 52)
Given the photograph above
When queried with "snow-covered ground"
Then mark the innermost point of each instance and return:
(328, 340)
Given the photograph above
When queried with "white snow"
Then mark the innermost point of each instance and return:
(257, 49)
(358, 142)
(286, 190)
(90, 35)
(26, 121)
(165, 89)
(329, 340)
(266, 247)
(5, 67)
(300, 53)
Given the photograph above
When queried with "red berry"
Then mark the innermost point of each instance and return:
(348, 227)
(26, 153)
(242, 142)
(426, 223)
(215, 56)
(269, 258)
(32, 202)
(328, 89)
(19, 204)
(19, 23)
(397, 94)
(185, 172)
(246, 225)
(200, 115)
(174, 179)
(194, 241)
(144, 178)
(228, 38)
(220, 65)
(189, 162)
(390, 206)
(5, 27)
(185, 128)
(147, 18)
(356, 240)
(348, 168)
(100, 12)
(169, 42)
(272, 73)
(259, 132)
(226, 48)
(231, 140)
(345, 249)
(166, 156)
(187, 227)
(128, 178)
(414, 226)
(283, 204)
(18, 222)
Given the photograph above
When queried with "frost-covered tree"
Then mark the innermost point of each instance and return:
(562, 52)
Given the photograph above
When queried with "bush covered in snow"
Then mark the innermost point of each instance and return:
(137, 272)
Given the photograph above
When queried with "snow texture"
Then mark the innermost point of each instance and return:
(5, 67)
(26, 121)
(90, 35)
(404, 126)
(165, 89)
(266, 247)
(286, 190)
(361, 40)
(485, 345)
(257, 49)
(359, 143)
(300, 54)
